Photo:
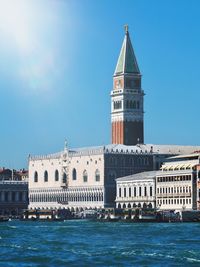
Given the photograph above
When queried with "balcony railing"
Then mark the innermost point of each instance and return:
(137, 198)
(13, 182)
(174, 194)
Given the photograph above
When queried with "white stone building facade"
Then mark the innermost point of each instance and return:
(85, 178)
(176, 184)
(63, 181)
(136, 191)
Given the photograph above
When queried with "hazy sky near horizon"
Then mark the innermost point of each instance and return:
(57, 59)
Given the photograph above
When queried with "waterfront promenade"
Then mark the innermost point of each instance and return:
(86, 243)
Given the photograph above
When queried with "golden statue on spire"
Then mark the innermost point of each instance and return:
(126, 28)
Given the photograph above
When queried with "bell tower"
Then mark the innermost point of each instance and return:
(127, 98)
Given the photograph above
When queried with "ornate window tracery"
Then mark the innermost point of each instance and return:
(85, 176)
(56, 175)
(74, 175)
(97, 176)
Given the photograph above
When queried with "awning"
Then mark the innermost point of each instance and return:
(178, 166)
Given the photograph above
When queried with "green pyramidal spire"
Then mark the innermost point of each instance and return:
(127, 62)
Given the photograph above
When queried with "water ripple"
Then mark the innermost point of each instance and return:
(85, 243)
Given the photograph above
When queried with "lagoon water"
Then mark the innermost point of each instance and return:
(86, 243)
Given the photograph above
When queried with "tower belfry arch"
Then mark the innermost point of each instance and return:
(127, 97)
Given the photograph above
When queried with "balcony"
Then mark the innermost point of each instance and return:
(137, 198)
(174, 194)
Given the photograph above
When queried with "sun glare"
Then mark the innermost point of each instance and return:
(15, 22)
(28, 29)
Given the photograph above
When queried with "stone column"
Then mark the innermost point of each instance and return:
(17, 196)
(2, 196)
(9, 196)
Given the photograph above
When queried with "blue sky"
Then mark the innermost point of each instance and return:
(57, 59)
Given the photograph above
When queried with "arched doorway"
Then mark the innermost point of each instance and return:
(150, 206)
(144, 206)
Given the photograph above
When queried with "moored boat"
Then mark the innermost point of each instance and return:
(4, 219)
(108, 218)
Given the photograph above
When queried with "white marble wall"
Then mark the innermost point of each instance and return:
(92, 190)
(128, 193)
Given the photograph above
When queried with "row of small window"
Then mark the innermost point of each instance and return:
(128, 192)
(129, 104)
(174, 190)
(129, 161)
(70, 162)
(174, 178)
(181, 201)
(132, 104)
(64, 178)
(6, 196)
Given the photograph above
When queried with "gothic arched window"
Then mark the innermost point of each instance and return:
(134, 104)
(74, 174)
(35, 177)
(97, 176)
(46, 176)
(144, 205)
(56, 175)
(127, 104)
(85, 176)
(138, 104)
